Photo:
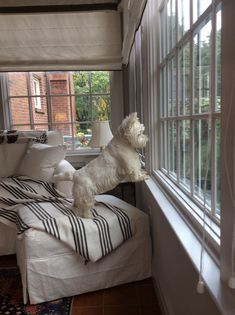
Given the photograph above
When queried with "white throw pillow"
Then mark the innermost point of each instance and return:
(10, 156)
(64, 186)
(40, 161)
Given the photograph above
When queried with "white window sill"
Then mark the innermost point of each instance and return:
(223, 296)
(81, 157)
(83, 152)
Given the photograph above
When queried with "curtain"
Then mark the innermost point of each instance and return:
(133, 12)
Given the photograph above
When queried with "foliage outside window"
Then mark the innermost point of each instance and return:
(59, 100)
(190, 88)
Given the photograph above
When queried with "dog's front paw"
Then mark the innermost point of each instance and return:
(144, 176)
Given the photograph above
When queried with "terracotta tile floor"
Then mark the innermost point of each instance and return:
(137, 298)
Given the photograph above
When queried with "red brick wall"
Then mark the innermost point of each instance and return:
(60, 105)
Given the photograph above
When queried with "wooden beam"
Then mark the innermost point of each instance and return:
(59, 8)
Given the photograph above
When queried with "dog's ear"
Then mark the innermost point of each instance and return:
(127, 124)
(131, 119)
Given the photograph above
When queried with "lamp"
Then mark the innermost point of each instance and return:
(101, 134)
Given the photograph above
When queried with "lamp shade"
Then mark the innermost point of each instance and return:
(101, 134)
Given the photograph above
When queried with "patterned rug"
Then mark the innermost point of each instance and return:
(11, 298)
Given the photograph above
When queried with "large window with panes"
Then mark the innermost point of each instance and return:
(68, 101)
(190, 111)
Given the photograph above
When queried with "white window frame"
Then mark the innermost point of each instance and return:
(34, 93)
(37, 93)
(194, 210)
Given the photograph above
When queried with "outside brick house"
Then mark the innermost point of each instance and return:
(52, 103)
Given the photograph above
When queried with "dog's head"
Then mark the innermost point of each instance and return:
(133, 131)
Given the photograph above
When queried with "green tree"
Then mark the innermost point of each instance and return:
(92, 89)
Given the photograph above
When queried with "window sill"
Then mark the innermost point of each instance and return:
(81, 157)
(192, 213)
(83, 152)
(220, 292)
(39, 111)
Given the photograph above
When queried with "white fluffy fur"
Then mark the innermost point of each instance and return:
(118, 162)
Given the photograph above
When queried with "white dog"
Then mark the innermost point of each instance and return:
(118, 162)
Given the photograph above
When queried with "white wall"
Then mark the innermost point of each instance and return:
(173, 272)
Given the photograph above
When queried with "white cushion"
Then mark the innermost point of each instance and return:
(40, 161)
(64, 186)
(10, 156)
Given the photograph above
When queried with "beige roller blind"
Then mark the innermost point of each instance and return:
(60, 41)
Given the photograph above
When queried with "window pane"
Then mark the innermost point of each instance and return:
(101, 107)
(59, 82)
(100, 82)
(83, 133)
(37, 83)
(61, 109)
(163, 91)
(184, 152)
(171, 24)
(183, 17)
(172, 148)
(218, 60)
(17, 84)
(202, 167)
(83, 108)
(68, 101)
(199, 6)
(164, 145)
(19, 111)
(217, 166)
(39, 115)
(67, 130)
(184, 80)
(81, 81)
(201, 68)
(172, 79)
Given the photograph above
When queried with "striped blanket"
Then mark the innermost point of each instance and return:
(26, 203)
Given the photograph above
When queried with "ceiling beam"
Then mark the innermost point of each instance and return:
(59, 8)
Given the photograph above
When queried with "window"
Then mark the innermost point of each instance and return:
(190, 94)
(36, 92)
(58, 100)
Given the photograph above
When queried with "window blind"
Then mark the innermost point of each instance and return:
(61, 41)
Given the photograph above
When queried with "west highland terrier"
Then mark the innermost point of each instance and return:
(118, 162)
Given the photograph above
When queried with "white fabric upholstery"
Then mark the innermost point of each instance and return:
(10, 156)
(40, 161)
(8, 234)
(50, 270)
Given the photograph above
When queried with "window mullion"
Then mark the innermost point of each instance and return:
(192, 176)
(177, 121)
(213, 109)
(28, 75)
(48, 97)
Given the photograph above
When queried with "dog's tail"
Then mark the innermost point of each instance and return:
(66, 176)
